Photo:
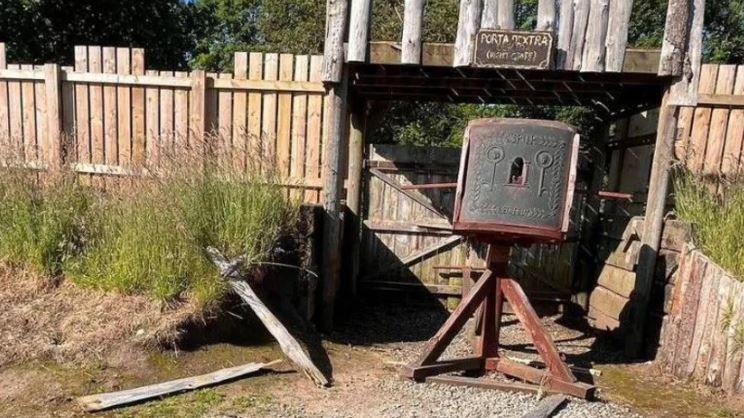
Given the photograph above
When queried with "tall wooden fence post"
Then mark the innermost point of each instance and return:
(412, 29)
(359, 30)
(685, 26)
(53, 93)
(335, 80)
(467, 28)
(354, 187)
(198, 111)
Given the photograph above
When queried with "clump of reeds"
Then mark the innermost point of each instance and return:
(147, 235)
(715, 207)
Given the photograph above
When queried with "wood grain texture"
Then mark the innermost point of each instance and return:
(593, 58)
(674, 42)
(506, 14)
(110, 142)
(413, 24)
(565, 30)
(732, 149)
(490, 15)
(546, 15)
(284, 118)
(468, 24)
(578, 34)
(719, 119)
(617, 34)
(333, 51)
(359, 15)
(138, 110)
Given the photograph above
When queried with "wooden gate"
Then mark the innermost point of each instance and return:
(407, 242)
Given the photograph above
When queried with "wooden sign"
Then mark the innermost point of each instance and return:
(513, 49)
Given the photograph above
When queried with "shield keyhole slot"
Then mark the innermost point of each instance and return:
(517, 173)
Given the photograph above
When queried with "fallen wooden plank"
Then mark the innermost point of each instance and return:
(289, 344)
(101, 401)
(546, 407)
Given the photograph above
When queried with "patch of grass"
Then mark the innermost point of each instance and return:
(41, 219)
(193, 404)
(147, 236)
(716, 210)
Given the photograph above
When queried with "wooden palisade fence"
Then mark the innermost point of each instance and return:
(109, 115)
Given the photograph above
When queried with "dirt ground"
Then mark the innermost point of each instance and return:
(365, 351)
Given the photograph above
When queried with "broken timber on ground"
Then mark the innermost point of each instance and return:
(101, 401)
(289, 344)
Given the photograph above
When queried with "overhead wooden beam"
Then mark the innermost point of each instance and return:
(359, 30)
(333, 51)
(413, 17)
(617, 34)
(468, 25)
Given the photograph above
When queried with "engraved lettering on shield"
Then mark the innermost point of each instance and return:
(495, 155)
(543, 160)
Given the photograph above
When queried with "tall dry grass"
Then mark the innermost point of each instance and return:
(715, 207)
(147, 235)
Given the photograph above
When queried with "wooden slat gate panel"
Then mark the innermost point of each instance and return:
(407, 243)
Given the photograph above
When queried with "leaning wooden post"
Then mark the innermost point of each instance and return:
(359, 30)
(413, 17)
(335, 81)
(468, 25)
(357, 119)
(688, 64)
(53, 98)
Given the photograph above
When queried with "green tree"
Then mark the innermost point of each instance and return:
(39, 31)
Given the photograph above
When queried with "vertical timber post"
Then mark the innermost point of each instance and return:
(357, 122)
(680, 56)
(359, 30)
(53, 93)
(468, 25)
(413, 17)
(335, 80)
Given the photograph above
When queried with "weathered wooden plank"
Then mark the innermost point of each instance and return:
(333, 51)
(467, 27)
(685, 91)
(490, 15)
(546, 407)
(691, 289)
(565, 30)
(506, 14)
(719, 122)
(314, 127)
(593, 58)
(546, 15)
(96, 108)
(53, 113)
(138, 110)
(299, 125)
(152, 124)
(100, 402)
(42, 145)
(735, 131)
(674, 43)
(578, 34)
(4, 122)
(617, 34)
(167, 126)
(240, 113)
(124, 108)
(359, 15)
(619, 281)
(224, 121)
(607, 302)
(718, 345)
(701, 121)
(255, 72)
(29, 118)
(110, 142)
(284, 117)
(700, 359)
(289, 344)
(212, 107)
(733, 354)
(198, 107)
(181, 115)
(268, 122)
(413, 17)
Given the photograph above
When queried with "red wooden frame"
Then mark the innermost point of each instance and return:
(490, 291)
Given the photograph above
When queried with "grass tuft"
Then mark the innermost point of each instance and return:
(146, 236)
(716, 210)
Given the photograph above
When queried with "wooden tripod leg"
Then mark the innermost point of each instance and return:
(531, 322)
(488, 344)
(438, 343)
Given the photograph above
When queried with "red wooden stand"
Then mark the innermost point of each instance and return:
(490, 291)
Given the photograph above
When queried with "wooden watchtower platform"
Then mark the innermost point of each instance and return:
(588, 65)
